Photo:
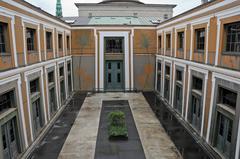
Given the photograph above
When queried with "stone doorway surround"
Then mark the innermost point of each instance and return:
(81, 141)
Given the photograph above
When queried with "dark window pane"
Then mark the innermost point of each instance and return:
(179, 75)
(119, 78)
(30, 34)
(49, 40)
(6, 101)
(60, 41)
(197, 83)
(200, 39)
(109, 77)
(3, 36)
(114, 45)
(34, 86)
(181, 40)
(227, 97)
(232, 35)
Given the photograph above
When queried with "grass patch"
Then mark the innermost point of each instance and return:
(117, 128)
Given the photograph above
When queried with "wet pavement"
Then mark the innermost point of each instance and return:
(51, 145)
(186, 143)
(118, 149)
(81, 141)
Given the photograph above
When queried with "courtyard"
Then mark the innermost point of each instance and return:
(81, 132)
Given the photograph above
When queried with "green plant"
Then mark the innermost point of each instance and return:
(117, 126)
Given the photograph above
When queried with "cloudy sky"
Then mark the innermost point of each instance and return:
(69, 9)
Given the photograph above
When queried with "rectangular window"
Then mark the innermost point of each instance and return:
(61, 72)
(7, 101)
(181, 40)
(167, 83)
(68, 43)
(179, 91)
(31, 34)
(60, 42)
(4, 38)
(49, 40)
(159, 76)
(168, 41)
(232, 37)
(51, 77)
(167, 70)
(197, 83)
(227, 98)
(179, 76)
(34, 86)
(200, 39)
(114, 45)
(160, 42)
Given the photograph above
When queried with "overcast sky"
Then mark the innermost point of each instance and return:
(69, 9)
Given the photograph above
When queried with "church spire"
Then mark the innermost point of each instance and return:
(59, 9)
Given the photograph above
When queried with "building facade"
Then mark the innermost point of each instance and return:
(191, 61)
(125, 8)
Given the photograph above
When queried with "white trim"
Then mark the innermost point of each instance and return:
(24, 44)
(96, 60)
(131, 66)
(16, 4)
(184, 83)
(205, 72)
(30, 67)
(191, 44)
(170, 80)
(124, 34)
(207, 40)
(224, 71)
(47, 88)
(26, 74)
(14, 42)
(17, 78)
(238, 142)
(45, 42)
(218, 42)
(211, 108)
(185, 43)
(210, 8)
(22, 112)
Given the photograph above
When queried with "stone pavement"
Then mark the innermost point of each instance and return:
(81, 141)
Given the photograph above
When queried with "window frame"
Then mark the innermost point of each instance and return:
(225, 39)
(33, 43)
(51, 41)
(6, 39)
(168, 41)
(60, 42)
(180, 40)
(199, 42)
(121, 46)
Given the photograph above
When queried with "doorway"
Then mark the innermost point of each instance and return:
(114, 79)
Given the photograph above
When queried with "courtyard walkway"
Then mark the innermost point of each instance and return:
(82, 139)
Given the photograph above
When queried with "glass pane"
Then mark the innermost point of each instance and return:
(119, 78)
(109, 77)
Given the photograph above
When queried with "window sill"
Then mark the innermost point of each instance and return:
(227, 108)
(230, 53)
(180, 50)
(32, 52)
(5, 54)
(49, 50)
(7, 112)
(199, 51)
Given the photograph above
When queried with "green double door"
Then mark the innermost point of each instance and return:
(114, 78)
